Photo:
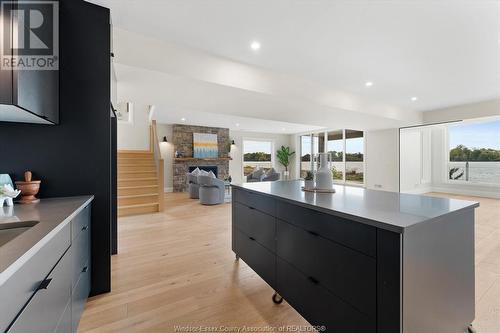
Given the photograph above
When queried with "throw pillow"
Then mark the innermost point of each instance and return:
(270, 172)
(196, 172)
(257, 174)
(211, 174)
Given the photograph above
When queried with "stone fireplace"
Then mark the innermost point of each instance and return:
(183, 143)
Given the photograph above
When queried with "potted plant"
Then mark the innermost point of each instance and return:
(284, 155)
(309, 180)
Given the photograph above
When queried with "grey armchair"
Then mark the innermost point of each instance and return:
(193, 186)
(211, 191)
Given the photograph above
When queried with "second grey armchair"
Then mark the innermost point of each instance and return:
(193, 186)
(212, 190)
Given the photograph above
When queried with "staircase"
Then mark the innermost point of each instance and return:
(140, 179)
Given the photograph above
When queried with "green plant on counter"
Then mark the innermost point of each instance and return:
(284, 155)
(309, 175)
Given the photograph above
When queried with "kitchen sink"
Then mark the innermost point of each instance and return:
(10, 230)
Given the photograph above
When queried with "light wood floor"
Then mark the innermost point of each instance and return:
(177, 268)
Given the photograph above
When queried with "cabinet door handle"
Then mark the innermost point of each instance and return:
(313, 233)
(44, 284)
(251, 238)
(252, 208)
(85, 269)
(313, 280)
(85, 228)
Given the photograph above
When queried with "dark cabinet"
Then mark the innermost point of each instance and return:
(30, 93)
(332, 270)
(45, 303)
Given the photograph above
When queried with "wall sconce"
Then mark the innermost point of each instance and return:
(165, 139)
(232, 143)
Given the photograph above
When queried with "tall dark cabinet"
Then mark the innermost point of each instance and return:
(28, 96)
(75, 157)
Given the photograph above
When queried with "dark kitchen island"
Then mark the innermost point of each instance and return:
(360, 260)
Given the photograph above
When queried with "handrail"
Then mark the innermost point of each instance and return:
(154, 147)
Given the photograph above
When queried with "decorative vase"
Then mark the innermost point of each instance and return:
(324, 176)
(309, 184)
(286, 175)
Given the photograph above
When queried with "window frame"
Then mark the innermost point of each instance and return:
(273, 157)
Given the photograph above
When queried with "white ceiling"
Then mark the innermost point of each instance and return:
(446, 53)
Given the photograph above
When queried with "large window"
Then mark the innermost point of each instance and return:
(474, 152)
(346, 148)
(305, 154)
(354, 156)
(335, 146)
(257, 154)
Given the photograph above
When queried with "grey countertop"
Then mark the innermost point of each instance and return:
(52, 214)
(388, 210)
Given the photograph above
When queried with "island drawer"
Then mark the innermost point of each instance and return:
(263, 203)
(260, 259)
(80, 222)
(352, 234)
(260, 226)
(317, 305)
(346, 273)
(45, 309)
(18, 289)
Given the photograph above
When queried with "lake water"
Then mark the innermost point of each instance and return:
(479, 172)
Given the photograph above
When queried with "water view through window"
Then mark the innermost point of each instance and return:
(474, 152)
(256, 154)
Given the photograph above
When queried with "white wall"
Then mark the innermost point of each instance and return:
(382, 160)
(167, 153)
(133, 135)
(236, 164)
(462, 112)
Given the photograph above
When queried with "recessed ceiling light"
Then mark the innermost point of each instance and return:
(368, 83)
(237, 125)
(283, 129)
(255, 45)
(183, 119)
(414, 99)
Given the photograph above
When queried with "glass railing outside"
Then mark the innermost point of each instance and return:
(474, 172)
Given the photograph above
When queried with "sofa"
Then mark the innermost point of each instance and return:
(212, 190)
(260, 175)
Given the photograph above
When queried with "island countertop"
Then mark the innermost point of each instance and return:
(52, 215)
(387, 210)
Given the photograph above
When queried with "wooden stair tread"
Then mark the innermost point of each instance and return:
(149, 178)
(137, 195)
(139, 205)
(138, 186)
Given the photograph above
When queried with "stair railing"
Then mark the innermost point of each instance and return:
(154, 147)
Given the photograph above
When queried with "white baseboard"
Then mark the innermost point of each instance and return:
(168, 189)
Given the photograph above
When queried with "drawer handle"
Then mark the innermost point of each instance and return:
(313, 233)
(313, 280)
(251, 238)
(252, 208)
(44, 284)
(85, 228)
(85, 269)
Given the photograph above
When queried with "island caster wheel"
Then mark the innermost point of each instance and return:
(471, 329)
(277, 299)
